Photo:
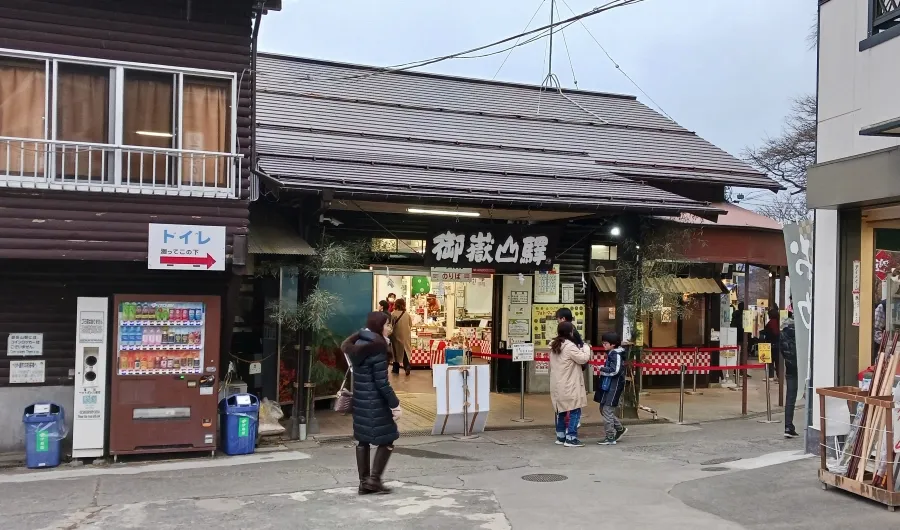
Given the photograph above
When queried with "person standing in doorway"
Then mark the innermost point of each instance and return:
(612, 384)
(401, 338)
(376, 407)
(772, 332)
(567, 391)
(788, 343)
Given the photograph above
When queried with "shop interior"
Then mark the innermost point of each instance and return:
(452, 316)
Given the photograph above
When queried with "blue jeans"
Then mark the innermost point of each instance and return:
(570, 433)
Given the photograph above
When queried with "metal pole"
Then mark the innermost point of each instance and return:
(465, 435)
(522, 418)
(768, 401)
(681, 397)
(693, 391)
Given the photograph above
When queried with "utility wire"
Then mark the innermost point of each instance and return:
(460, 55)
(618, 67)
(517, 40)
(566, 42)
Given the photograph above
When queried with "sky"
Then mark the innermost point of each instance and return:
(726, 69)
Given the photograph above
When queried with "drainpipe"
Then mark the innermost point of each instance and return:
(254, 48)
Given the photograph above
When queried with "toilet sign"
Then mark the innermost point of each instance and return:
(186, 247)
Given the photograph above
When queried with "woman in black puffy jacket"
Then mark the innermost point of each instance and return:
(375, 405)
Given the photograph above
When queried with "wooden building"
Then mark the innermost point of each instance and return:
(115, 114)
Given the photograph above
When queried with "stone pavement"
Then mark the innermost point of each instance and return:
(723, 475)
(419, 406)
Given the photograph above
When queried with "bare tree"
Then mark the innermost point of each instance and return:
(786, 158)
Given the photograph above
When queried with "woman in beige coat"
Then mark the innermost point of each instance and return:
(567, 389)
(401, 337)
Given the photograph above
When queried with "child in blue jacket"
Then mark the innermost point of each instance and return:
(612, 384)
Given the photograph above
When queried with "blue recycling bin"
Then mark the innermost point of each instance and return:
(238, 424)
(45, 427)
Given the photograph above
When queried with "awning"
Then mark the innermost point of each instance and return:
(271, 235)
(860, 180)
(607, 284)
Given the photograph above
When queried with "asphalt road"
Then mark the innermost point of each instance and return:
(722, 475)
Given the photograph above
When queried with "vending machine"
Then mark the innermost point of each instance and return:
(165, 363)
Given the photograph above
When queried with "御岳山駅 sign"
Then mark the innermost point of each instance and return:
(498, 247)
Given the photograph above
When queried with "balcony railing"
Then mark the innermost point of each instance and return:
(83, 166)
(885, 14)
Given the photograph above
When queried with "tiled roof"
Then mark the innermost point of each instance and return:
(606, 149)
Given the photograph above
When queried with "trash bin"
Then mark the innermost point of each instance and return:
(238, 424)
(45, 427)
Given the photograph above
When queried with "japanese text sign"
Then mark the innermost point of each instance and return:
(765, 352)
(25, 344)
(26, 372)
(186, 247)
(499, 247)
(522, 352)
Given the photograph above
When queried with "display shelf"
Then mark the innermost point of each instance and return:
(161, 347)
(159, 371)
(155, 323)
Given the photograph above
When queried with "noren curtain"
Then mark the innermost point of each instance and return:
(82, 116)
(147, 121)
(206, 128)
(22, 98)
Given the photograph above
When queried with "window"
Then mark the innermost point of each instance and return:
(885, 14)
(82, 115)
(398, 246)
(23, 89)
(100, 122)
(148, 121)
(206, 128)
(604, 252)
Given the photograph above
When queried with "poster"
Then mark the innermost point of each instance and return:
(544, 323)
(518, 297)
(765, 352)
(541, 367)
(25, 344)
(665, 315)
(568, 293)
(26, 372)
(748, 320)
(546, 286)
(519, 328)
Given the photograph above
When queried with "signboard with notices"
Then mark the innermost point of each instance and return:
(186, 247)
(519, 297)
(498, 247)
(25, 344)
(26, 372)
(546, 286)
(544, 322)
(522, 352)
(568, 293)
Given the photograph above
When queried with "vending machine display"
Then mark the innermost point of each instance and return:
(165, 374)
(160, 337)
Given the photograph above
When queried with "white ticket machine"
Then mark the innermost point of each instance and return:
(91, 354)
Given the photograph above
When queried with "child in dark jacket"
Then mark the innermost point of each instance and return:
(612, 384)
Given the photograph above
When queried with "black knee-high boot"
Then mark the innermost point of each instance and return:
(363, 466)
(373, 483)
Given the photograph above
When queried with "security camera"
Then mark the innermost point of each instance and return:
(334, 222)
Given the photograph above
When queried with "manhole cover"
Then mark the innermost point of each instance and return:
(723, 460)
(544, 478)
(714, 468)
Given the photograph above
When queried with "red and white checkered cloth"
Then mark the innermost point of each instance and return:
(673, 358)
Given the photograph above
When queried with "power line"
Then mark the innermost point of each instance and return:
(618, 67)
(542, 32)
(517, 40)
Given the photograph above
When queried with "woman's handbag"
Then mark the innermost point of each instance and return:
(344, 401)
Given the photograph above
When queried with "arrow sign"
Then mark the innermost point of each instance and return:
(209, 261)
(186, 247)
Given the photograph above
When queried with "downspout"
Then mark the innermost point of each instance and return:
(254, 49)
